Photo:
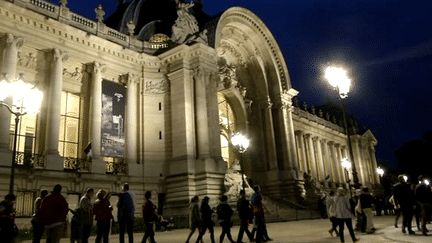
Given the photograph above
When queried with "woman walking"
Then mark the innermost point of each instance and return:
(194, 218)
(331, 212)
(343, 214)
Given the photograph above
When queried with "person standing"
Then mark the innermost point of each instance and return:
(245, 215)
(397, 210)
(38, 227)
(86, 209)
(225, 212)
(53, 214)
(7, 219)
(366, 201)
(103, 213)
(206, 219)
(126, 214)
(344, 214)
(194, 217)
(404, 198)
(149, 216)
(423, 196)
(331, 212)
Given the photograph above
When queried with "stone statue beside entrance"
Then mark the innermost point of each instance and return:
(185, 28)
(233, 183)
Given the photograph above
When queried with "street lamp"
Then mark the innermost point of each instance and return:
(338, 79)
(26, 99)
(380, 171)
(346, 164)
(241, 143)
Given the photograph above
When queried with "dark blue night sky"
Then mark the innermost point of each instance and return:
(386, 45)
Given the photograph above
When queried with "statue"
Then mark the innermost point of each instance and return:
(233, 183)
(185, 28)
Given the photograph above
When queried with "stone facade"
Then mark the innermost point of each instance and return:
(175, 129)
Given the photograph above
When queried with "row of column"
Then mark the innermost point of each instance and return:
(53, 97)
(320, 158)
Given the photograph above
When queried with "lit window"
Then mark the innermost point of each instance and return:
(26, 139)
(24, 203)
(69, 125)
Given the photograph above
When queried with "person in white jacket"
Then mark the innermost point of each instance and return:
(343, 214)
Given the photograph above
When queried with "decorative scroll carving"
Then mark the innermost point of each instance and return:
(157, 87)
(76, 74)
(238, 56)
(27, 60)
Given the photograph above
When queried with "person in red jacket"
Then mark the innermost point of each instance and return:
(53, 214)
(103, 212)
(150, 216)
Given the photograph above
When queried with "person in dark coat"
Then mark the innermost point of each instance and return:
(150, 217)
(245, 215)
(404, 198)
(126, 214)
(53, 214)
(423, 196)
(7, 219)
(366, 201)
(103, 216)
(194, 218)
(206, 219)
(86, 207)
(225, 212)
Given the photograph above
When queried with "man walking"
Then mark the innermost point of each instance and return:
(423, 195)
(245, 214)
(404, 198)
(86, 209)
(38, 227)
(126, 214)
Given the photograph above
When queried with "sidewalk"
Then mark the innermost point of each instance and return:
(295, 231)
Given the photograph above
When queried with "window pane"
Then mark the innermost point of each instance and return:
(63, 103)
(71, 130)
(62, 132)
(71, 150)
(61, 149)
(73, 105)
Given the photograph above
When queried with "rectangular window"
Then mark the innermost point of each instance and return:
(160, 106)
(69, 125)
(24, 203)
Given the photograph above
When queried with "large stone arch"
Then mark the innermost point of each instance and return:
(246, 43)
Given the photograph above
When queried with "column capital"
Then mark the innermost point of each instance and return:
(59, 55)
(10, 39)
(299, 132)
(331, 143)
(97, 67)
(129, 78)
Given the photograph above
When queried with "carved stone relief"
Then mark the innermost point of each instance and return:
(157, 87)
(28, 60)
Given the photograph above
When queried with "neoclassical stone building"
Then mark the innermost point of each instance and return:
(151, 96)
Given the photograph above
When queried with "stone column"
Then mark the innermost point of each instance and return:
(201, 118)
(54, 101)
(53, 160)
(311, 155)
(10, 58)
(98, 166)
(334, 162)
(339, 163)
(301, 151)
(319, 159)
(291, 162)
(374, 163)
(266, 107)
(327, 162)
(358, 159)
(131, 123)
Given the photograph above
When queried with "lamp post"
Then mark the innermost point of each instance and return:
(241, 143)
(346, 164)
(338, 79)
(26, 99)
(380, 172)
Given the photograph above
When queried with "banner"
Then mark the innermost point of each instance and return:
(113, 113)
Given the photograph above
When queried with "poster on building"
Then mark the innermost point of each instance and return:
(113, 113)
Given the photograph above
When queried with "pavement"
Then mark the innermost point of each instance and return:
(297, 232)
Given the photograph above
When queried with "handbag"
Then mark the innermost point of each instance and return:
(15, 233)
